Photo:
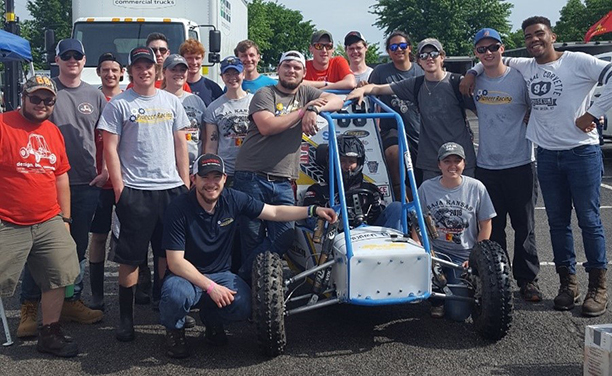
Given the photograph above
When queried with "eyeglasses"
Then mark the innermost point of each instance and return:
(492, 47)
(402, 46)
(76, 55)
(432, 54)
(36, 100)
(162, 50)
(320, 46)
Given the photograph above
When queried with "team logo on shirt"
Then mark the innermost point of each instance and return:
(37, 147)
(150, 115)
(492, 97)
(85, 108)
(225, 222)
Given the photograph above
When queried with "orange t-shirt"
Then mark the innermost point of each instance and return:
(32, 155)
(158, 84)
(337, 69)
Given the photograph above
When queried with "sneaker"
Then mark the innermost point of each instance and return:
(51, 340)
(530, 291)
(437, 312)
(176, 343)
(215, 335)
(190, 322)
(77, 311)
(28, 327)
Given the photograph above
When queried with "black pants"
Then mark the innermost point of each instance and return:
(514, 192)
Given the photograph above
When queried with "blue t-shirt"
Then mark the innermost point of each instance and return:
(207, 238)
(206, 89)
(253, 85)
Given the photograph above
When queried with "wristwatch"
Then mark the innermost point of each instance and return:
(67, 220)
(313, 109)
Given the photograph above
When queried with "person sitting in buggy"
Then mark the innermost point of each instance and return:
(364, 199)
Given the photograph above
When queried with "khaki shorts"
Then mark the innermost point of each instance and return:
(47, 247)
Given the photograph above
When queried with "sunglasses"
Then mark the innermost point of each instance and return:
(162, 50)
(320, 46)
(77, 56)
(432, 54)
(36, 100)
(402, 46)
(492, 47)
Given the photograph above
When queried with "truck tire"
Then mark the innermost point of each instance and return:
(492, 312)
(268, 303)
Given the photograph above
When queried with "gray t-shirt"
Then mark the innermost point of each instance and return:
(502, 103)
(231, 116)
(194, 107)
(456, 213)
(387, 74)
(146, 126)
(441, 118)
(276, 154)
(363, 76)
(76, 114)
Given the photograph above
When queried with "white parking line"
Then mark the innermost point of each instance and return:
(606, 186)
(601, 207)
(548, 263)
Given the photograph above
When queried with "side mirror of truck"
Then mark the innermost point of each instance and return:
(49, 44)
(214, 47)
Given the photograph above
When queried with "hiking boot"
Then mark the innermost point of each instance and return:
(176, 343)
(28, 326)
(143, 287)
(215, 335)
(51, 340)
(437, 311)
(125, 331)
(568, 294)
(530, 291)
(77, 311)
(190, 322)
(596, 300)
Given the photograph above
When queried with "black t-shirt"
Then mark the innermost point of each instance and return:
(206, 89)
(207, 238)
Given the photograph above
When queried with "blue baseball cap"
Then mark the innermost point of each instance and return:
(66, 45)
(487, 33)
(231, 62)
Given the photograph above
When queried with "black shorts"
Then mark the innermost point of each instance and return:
(141, 216)
(101, 223)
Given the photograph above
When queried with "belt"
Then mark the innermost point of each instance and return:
(270, 177)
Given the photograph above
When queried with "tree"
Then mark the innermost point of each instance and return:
(577, 17)
(372, 55)
(453, 22)
(277, 29)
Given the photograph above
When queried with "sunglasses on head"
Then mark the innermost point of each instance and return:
(402, 46)
(432, 54)
(162, 50)
(492, 47)
(77, 56)
(320, 46)
(36, 100)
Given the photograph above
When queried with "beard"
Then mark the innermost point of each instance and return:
(289, 85)
(34, 119)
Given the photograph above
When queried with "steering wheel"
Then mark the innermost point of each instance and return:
(354, 207)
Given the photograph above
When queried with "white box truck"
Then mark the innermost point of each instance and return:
(117, 26)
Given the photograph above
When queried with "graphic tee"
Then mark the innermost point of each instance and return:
(195, 109)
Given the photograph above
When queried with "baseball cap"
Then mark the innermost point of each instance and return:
(206, 163)
(174, 60)
(66, 45)
(231, 62)
(39, 82)
(430, 42)
(353, 37)
(317, 35)
(108, 56)
(487, 33)
(450, 148)
(141, 53)
(292, 55)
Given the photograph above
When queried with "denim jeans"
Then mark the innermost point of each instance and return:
(573, 177)
(257, 236)
(83, 204)
(391, 217)
(178, 296)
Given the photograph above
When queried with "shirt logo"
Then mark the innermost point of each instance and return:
(85, 108)
(226, 222)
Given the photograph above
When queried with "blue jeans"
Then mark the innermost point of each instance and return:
(573, 177)
(391, 217)
(257, 236)
(83, 204)
(178, 296)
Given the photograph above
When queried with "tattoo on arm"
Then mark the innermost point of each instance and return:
(214, 136)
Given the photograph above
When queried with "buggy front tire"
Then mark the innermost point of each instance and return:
(268, 303)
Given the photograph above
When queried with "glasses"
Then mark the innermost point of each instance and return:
(320, 46)
(430, 54)
(77, 56)
(162, 50)
(402, 46)
(36, 100)
(492, 47)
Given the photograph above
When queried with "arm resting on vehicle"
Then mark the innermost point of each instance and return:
(484, 229)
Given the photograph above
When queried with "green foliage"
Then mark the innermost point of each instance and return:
(277, 29)
(577, 17)
(453, 22)
(372, 55)
(515, 39)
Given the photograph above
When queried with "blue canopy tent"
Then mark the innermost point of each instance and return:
(14, 48)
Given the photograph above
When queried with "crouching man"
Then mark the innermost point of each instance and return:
(198, 230)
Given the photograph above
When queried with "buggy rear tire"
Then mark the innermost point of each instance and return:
(492, 312)
(268, 303)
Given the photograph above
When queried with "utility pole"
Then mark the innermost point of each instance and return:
(11, 69)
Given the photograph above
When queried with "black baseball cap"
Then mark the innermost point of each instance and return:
(66, 45)
(141, 53)
(206, 163)
(109, 56)
(353, 37)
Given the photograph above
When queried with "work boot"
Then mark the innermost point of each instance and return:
(51, 340)
(190, 322)
(143, 287)
(96, 279)
(125, 331)
(596, 300)
(176, 343)
(28, 326)
(77, 311)
(568, 294)
(215, 335)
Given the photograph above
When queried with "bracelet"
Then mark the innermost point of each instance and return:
(301, 113)
(312, 211)
(211, 287)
